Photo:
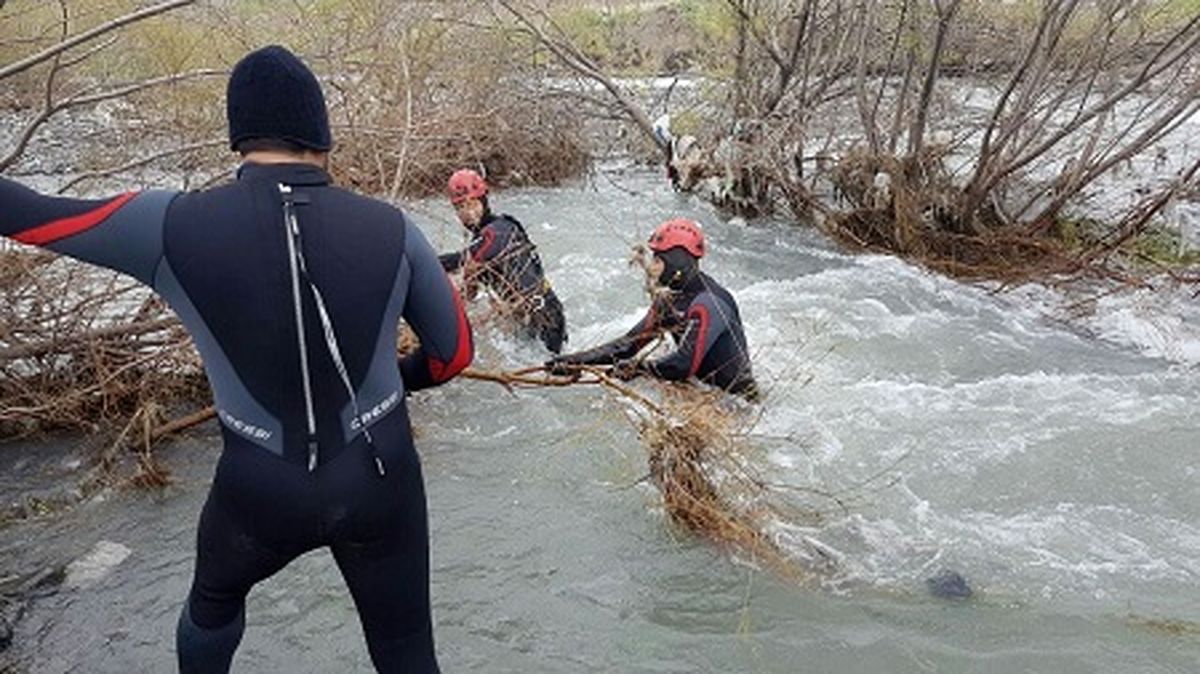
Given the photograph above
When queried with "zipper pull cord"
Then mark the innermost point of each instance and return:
(335, 351)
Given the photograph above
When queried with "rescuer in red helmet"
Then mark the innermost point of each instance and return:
(507, 260)
(701, 316)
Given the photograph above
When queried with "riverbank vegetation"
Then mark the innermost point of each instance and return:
(1010, 141)
(979, 137)
(414, 89)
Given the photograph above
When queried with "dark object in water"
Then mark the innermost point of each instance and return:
(948, 584)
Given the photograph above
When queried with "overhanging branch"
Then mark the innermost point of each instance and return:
(50, 52)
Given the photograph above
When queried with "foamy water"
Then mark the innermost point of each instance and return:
(1046, 456)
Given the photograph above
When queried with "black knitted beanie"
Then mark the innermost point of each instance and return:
(272, 94)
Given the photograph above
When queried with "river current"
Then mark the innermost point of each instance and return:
(1052, 462)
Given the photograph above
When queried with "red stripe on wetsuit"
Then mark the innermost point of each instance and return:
(464, 351)
(701, 312)
(489, 237)
(64, 227)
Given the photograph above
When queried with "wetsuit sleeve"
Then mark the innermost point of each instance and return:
(483, 248)
(704, 323)
(434, 309)
(625, 346)
(123, 233)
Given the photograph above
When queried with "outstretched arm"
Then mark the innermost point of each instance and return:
(122, 233)
(434, 310)
(626, 346)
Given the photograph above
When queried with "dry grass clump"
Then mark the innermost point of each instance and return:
(697, 442)
(680, 454)
(676, 452)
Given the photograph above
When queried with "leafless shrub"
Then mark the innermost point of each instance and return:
(409, 103)
(85, 351)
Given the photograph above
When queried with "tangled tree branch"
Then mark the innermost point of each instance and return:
(576, 60)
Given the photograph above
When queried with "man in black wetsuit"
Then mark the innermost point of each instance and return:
(292, 290)
(700, 315)
(507, 260)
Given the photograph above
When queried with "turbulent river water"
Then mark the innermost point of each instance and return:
(1052, 463)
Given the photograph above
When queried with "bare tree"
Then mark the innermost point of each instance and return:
(946, 9)
(71, 51)
(1074, 96)
(542, 27)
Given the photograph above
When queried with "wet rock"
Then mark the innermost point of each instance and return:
(15, 594)
(6, 630)
(46, 582)
(96, 564)
(948, 584)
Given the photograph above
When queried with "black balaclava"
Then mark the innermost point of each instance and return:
(483, 217)
(272, 94)
(679, 267)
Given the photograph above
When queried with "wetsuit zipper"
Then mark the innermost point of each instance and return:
(292, 229)
(300, 268)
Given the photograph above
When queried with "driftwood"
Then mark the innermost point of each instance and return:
(85, 350)
(74, 341)
(533, 377)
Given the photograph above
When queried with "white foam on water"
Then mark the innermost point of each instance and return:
(1160, 323)
(1164, 326)
(950, 429)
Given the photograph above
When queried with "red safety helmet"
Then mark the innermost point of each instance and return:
(678, 232)
(466, 184)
